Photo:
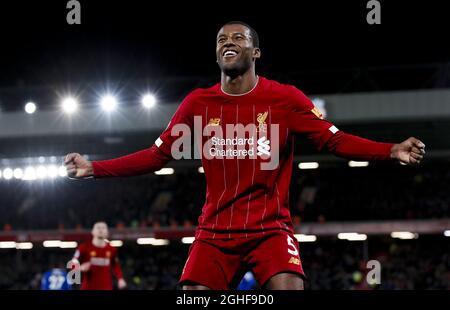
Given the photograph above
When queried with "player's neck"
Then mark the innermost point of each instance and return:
(100, 243)
(239, 85)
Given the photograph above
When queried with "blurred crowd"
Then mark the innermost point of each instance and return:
(423, 263)
(329, 194)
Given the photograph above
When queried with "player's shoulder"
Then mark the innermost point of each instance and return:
(278, 87)
(206, 91)
(84, 246)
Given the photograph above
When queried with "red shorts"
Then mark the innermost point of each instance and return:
(221, 263)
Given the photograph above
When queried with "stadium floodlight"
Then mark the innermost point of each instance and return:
(165, 171)
(68, 244)
(30, 107)
(352, 236)
(51, 243)
(108, 103)
(7, 244)
(41, 172)
(201, 170)
(8, 174)
(152, 241)
(24, 245)
(18, 173)
(29, 174)
(62, 171)
(52, 171)
(355, 164)
(405, 235)
(116, 243)
(447, 233)
(187, 240)
(148, 101)
(305, 238)
(308, 165)
(69, 105)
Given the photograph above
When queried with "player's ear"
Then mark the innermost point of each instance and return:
(256, 53)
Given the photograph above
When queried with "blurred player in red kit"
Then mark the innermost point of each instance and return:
(245, 127)
(98, 260)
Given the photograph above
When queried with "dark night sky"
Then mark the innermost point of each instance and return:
(144, 40)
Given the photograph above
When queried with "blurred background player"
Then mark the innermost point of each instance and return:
(55, 280)
(97, 261)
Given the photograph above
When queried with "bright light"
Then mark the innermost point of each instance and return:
(108, 103)
(310, 165)
(305, 238)
(69, 105)
(404, 235)
(8, 173)
(52, 171)
(41, 159)
(201, 170)
(447, 233)
(18, 173)
(352, 236)
(30, 107)
(358, 163)
(152, 241)
(41, 172)
(68, 244)
(0, 174)
(24, 245)
(51, 243)
(116, 243)
(148, 101)
(62, 171)
(30, 174)
(187, 240)
(7, 245)
(165, 171)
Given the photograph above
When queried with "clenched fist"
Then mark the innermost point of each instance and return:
(77, 166)
(409, 152)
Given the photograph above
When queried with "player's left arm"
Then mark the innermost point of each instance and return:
(117, 270)
(305, 118)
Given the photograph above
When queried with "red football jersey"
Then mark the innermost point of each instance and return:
(246, 145)
(104, 262)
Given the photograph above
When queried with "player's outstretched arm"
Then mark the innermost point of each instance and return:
(410, 151)
(142, 162)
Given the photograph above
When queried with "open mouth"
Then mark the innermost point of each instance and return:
(229, 53)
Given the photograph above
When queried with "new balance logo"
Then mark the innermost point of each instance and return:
(294, 260)
(263, 146)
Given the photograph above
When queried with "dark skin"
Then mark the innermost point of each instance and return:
(238, 77)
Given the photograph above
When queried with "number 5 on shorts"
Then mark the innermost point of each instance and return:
(292, 249)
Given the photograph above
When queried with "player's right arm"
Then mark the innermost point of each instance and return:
(141, 162)
(79, 259)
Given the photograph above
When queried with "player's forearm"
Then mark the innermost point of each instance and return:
(142, 162)
(356, 148)
(117, 270)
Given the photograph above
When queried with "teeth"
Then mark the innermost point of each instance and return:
(230, 53)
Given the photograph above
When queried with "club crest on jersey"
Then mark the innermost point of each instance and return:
(317, 112)
(214, 121)
(261, 118)
(93, 253)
